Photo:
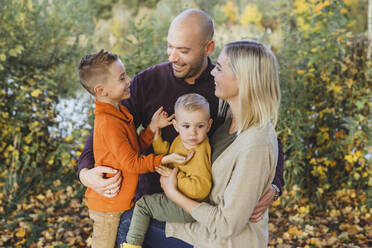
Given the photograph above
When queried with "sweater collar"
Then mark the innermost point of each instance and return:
(106, 108)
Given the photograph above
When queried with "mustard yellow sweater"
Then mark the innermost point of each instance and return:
(194, 178)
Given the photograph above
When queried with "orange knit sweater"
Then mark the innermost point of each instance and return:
(116, 144)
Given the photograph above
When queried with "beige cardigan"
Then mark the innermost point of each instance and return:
(241, 175)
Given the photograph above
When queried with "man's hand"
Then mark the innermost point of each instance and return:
(263, 204)
(94, 179)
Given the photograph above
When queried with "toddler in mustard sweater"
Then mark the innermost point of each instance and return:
(192, 122)
(116, 143)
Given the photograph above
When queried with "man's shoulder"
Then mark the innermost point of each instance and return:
(158, 70)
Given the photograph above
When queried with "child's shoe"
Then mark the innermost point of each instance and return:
(126, 245)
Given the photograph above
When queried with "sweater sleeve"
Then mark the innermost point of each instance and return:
(160, 146)
(145, 138)
(196, 181)
(249, 180)
(278, 179)
(126, 156)
(86, 159)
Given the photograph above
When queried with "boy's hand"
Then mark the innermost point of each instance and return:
(177, 158)
(160, 119)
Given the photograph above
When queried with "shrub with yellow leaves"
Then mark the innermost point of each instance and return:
(40, 47)
(325, 114)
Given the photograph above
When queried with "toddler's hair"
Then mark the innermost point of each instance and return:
(192, 102)
(93, 69)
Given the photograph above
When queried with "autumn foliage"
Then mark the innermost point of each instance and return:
(324, 123)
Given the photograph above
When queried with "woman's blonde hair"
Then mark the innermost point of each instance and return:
(256, 70)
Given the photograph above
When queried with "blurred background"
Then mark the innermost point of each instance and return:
(324, 55)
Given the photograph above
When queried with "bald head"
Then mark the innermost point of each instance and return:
(195, 21)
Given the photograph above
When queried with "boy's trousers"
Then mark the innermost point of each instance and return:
(156, 206)
(105, 228)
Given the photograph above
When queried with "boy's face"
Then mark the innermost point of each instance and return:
(192, 126)
(117, 84)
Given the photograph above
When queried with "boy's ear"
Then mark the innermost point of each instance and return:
(174, 122)
(99, 90)
(210, 124)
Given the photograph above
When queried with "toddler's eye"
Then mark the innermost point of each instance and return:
(200, 126)
(186, 126)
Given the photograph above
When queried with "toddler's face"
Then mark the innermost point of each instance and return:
(192, 126)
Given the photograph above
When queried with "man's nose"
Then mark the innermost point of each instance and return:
(172, 55)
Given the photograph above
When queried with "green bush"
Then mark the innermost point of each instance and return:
(326, 86)
(41, 44)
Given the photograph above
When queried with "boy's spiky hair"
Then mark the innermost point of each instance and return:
(93, 69)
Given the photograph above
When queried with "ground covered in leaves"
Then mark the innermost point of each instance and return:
(59, 218)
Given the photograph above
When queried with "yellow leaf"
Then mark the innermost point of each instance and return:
(337, 88)
(36, 93)
(230, 10)
(251, 14)
(21, 233)
(300, 72)
(318, 7)
(57, 182)
(40, 197)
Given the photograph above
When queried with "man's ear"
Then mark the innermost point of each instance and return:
(174, 122)
(99, 90)
(210, 124)
(209, 48)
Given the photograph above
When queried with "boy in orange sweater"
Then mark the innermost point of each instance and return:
(115, 142)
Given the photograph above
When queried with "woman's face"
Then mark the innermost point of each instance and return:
(225, 80)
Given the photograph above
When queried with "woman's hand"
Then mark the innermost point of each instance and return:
(169, 184)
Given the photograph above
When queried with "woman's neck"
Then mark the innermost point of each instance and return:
(234, 106)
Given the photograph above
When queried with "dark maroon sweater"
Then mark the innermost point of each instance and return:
(155, 87)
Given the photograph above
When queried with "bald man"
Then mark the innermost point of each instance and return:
(190, 42)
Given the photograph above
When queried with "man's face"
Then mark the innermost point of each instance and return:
(186, 52)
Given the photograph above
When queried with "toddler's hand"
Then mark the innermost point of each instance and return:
(176, 158)
(163, 170)
(160, 119)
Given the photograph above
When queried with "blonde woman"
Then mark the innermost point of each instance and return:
(245, 153)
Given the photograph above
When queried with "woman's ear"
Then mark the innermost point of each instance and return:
(174, 122)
